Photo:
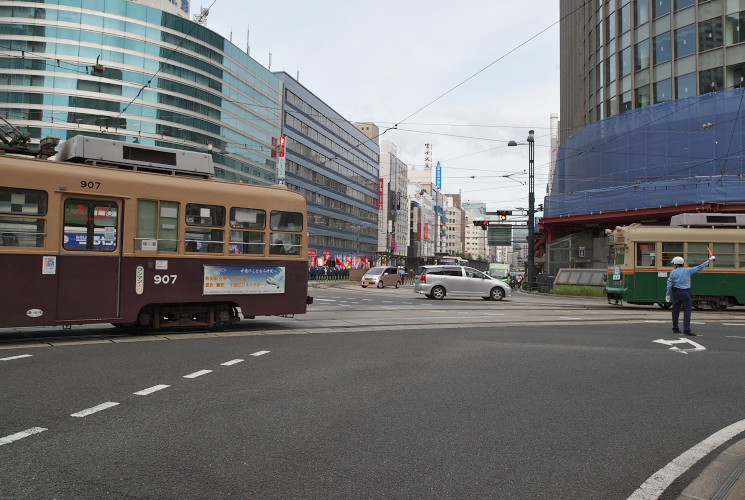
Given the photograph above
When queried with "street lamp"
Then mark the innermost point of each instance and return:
(531, 204)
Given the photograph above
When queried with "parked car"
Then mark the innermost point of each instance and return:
(381, 277)
(435, 282)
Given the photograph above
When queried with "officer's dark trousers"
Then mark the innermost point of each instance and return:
(682, 299)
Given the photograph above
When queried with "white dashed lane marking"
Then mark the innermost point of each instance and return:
(231, 362)
(21, 435)
(95, 409)
(16, 357)
(151, 390)
(260, 353)
(198, 374)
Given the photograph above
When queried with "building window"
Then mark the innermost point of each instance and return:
(626, 103)
(663, 91)
(685, 41)
(661, 7)
(626, 61)
(641, 12)
(682, 4)
(685, 86)
(662, 48)
(611, 68)
(642, 96)
(610, 31)
(711, 80)
(624, 21)
(735, 32)
(736, 76)
(641, 55)
(710, 34)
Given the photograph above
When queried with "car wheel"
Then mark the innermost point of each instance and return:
(496, 293)
(364, 286)
(380, 284)
(438, 293)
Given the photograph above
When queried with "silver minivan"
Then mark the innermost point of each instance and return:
(435, 282)
(380, 277)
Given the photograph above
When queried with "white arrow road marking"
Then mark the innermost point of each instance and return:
(260, 353)
(696, 347)
(21, 435)
(97, 408)
(660, 480)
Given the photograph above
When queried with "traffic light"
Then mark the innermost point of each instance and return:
(484, 224)
(504, 213)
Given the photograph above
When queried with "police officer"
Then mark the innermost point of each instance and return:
(679, 283)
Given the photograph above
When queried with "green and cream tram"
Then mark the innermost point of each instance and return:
(640, 261)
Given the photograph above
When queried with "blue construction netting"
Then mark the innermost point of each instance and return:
(680, 152)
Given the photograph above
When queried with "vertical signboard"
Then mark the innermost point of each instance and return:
(281, 162)
(380, 193)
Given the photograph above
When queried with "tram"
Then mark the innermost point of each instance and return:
(640, 260)
(139, 236)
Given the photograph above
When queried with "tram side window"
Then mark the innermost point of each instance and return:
(247, 242)
(697, 253)
(22, 231)
(285, 243)
(725, 253)
(157, 225)
(90, 225)
(204, 240)
(741, 255)
(671, 249)
(645, 255)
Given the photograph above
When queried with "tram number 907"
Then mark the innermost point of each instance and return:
(165, 279)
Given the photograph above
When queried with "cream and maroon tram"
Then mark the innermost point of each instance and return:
(144, 240)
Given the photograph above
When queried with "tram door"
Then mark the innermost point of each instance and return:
(89, 261)
(645, 272)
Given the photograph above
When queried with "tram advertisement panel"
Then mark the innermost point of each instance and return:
(231, 280)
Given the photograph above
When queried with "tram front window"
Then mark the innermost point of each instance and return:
(617, 256)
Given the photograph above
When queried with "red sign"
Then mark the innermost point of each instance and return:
(312, 252)
(327, 253)
(380, 194)
(282, 144)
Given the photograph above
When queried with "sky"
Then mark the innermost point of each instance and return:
(466, 77)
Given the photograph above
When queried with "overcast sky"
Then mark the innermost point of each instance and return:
(383, 61)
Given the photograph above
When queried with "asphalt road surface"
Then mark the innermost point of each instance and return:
(531, 397)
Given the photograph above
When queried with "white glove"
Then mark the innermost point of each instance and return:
(667, 298)
(712, 257)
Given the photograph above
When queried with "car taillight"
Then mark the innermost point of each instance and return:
(424, 278)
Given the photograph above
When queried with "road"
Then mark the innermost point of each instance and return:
(374, 393)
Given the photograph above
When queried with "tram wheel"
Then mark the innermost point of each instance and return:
(664, 305)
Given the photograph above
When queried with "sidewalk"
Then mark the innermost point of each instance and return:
(723, 479)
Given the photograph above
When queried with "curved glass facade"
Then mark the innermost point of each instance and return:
(639, 81)
(125, 71)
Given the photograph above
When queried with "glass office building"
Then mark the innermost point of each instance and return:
(130, 71)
